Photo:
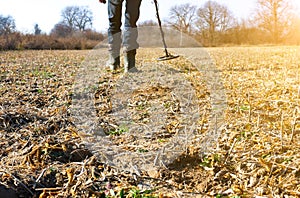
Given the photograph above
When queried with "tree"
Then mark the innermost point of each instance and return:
(213, 18)
(243, 32)
(7, 25)
(182, 17)
(148, 23)
(294, 37)
(61, 30)
(37, 30)
(274, 17)
(77, 18)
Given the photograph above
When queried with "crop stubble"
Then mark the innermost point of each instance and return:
(256, 154)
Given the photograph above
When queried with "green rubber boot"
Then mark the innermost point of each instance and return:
(113, 62)
(129, 61)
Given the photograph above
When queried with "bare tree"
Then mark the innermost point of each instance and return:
(294, 37)
(7, 25)
(84, 19)
(148, 23)
(61, 30)
(37, 29)
(182, 17)
(212, 18)
(275, 17)
(77, 18)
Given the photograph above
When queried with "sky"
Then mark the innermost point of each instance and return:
(47, 13)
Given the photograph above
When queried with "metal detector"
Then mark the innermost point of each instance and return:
(167, 55)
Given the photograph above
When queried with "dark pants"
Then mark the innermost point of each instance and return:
(130, 33)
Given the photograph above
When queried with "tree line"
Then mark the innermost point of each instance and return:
(74, 31)
(212, 24)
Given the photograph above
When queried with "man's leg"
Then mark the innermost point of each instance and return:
(114, 32)
(130, 35)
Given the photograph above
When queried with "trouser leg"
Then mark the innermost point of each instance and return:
(130, 34)
(114, 31)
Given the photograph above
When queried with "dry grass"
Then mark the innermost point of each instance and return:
(256, 154)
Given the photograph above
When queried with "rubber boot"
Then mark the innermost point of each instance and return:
(113, 62)
(129, 61)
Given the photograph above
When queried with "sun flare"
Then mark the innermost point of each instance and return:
(296, 6)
